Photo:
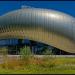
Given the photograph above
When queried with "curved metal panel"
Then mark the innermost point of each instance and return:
(47, 26)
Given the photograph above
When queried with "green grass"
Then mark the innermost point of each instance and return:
(48, 65)
(36, 71)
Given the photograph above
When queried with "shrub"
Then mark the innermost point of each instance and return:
(25, 54)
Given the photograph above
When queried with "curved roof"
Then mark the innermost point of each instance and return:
(48, 26)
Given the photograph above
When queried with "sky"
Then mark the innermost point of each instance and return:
(63, 6)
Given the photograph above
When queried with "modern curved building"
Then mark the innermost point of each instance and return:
(47, 26)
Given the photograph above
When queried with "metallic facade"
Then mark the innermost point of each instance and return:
(47, 26)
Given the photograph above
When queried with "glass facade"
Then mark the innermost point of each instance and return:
(14, 47)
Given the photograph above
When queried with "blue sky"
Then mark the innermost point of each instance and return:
(63, 6)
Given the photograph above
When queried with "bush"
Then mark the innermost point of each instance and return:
(3, 51)
(47, 51)
(25, 54)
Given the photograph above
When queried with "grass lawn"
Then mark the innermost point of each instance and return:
(36, 71)
(45, 65)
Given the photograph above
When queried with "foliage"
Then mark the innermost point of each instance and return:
(47, 51)
(25, 53)
(3, 51)
(37, 65)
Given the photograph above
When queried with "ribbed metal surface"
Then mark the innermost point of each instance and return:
(48, 26)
